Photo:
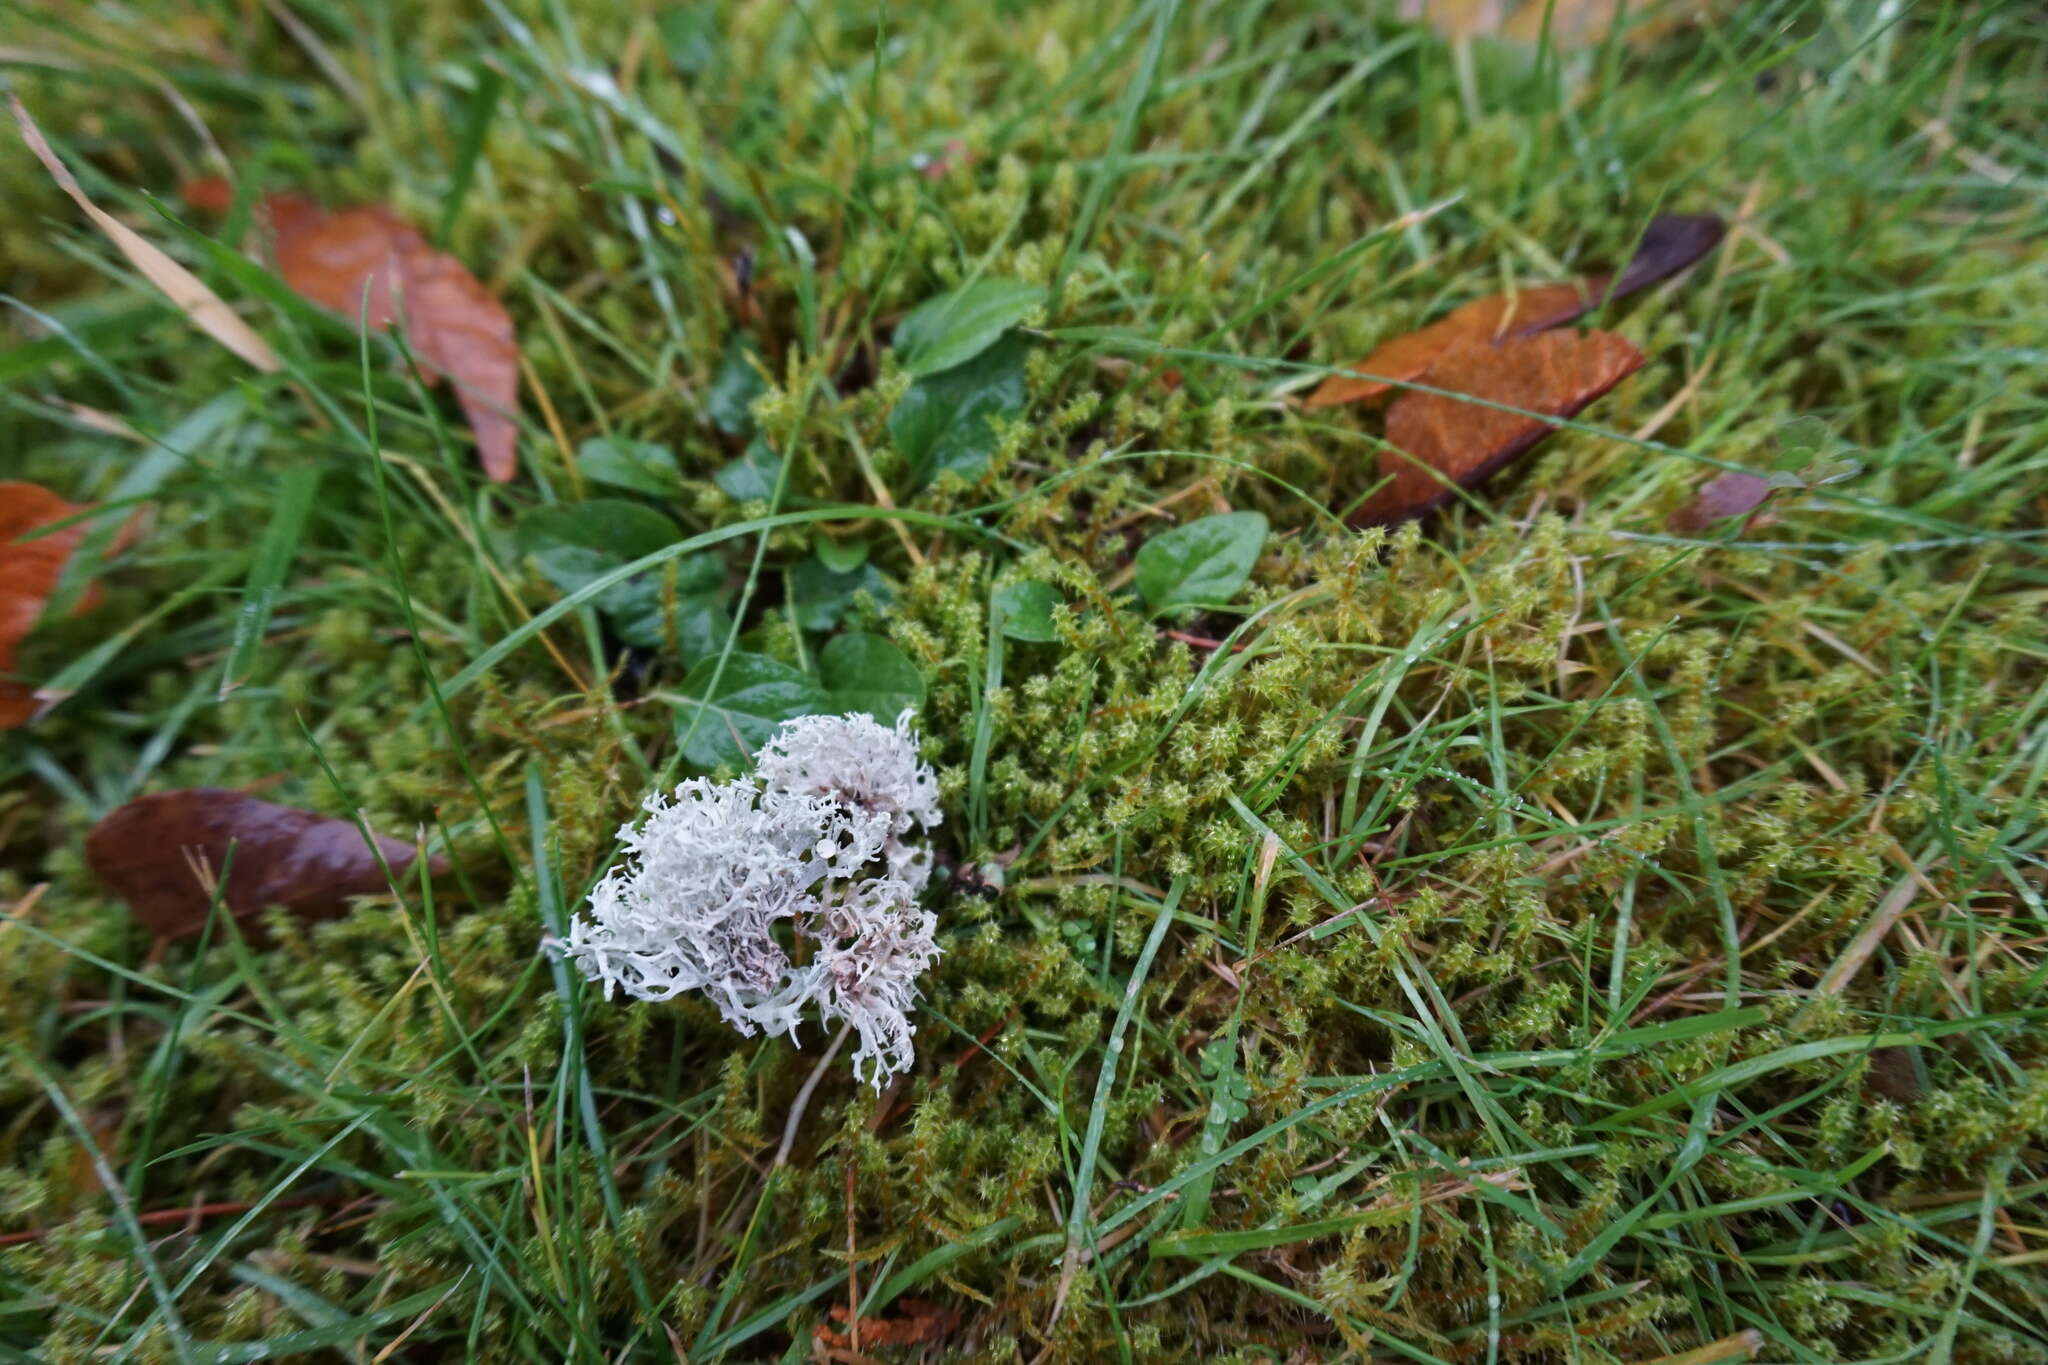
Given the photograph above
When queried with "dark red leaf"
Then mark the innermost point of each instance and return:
(1437, 441)
(161, 853)
(1734, 494)
(1672, 242)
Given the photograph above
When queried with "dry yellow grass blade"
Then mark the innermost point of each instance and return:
(206, 309)
(1569, 23)
(1742, 1346)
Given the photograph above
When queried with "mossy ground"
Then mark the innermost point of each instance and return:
(1614, 799)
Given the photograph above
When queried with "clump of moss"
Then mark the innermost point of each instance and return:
(1510, 849)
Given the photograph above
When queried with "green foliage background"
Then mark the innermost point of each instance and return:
(1506, 852)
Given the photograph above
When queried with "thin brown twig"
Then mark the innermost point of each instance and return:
(184, 1213)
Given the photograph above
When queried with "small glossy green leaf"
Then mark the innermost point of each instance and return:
(948, 420)
(956, 327)
(690, 33)
(820, 598)
(696, 594)
(1204, 562)
(1802, 440)
(640, 466)
(583, 541)
(840, 556)
(735, 387)
(725, 715)
(1027, 610)
(868, 673)
(751, 477)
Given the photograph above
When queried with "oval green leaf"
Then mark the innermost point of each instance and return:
(956, 327)
(579, 542)
(1202, 563)
(868, 673)
(735, 387)
(725, 715)
(750, 477)
(819, 598)
(640, 466)
(948, 420)
(1027, 610)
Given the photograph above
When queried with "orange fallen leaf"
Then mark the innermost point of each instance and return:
(1408, 357)
(29, 572)
(161, 854)
(919, 1322)
(1437, 441)
(1669, 244)
(368, 263)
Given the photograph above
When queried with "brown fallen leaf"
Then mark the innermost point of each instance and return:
(368, 263)
(1672, 242)
(1498, 317)
(917, 1323)
(162, 853)
(1438, 441)
(29, 573)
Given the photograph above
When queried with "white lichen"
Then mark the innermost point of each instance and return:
(870, 771)
(796, 887)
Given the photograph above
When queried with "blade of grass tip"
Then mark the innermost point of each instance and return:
(1110, 171)
(736, 1276)
(984, 727)
(124, 1212)
(1105, 1082)
(1222, 1050)
(206, 309)
(477, 112)
(163, 1067)
(266, 573)
(403, 589)
(1696, 812)
(550, 897)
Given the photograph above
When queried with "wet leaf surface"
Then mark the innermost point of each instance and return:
(954, 328)
(820, 597)
(1408, 357)
(160, 853)
(366, 263)
(1202, 563)
(1734, 494)
(735, 386)
(1672, 242)
(1027, 610)
(639, 466)
(947, 421)
(1438, 441)
(868, 673)
(725, 715)
(30, 570)
(751, 475)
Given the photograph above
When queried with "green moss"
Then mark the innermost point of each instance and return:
(1553, 758)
